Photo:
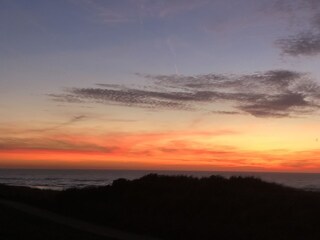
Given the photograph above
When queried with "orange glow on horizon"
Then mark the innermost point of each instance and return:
(220, 149)
(184, 156)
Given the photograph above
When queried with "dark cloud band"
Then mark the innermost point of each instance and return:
(277, 93)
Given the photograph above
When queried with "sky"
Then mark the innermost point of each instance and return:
(215, 85)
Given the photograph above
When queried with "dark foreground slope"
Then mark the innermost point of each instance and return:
(17, 225)
(188, 208)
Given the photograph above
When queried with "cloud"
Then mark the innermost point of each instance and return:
(57, 126)
(170, 7)
(226, 112)
(161, 148)
(277, 106)
(276, 93)
(66, 98)
(108, 12)
(48, 144)
(71, 121)
(305, 42)
(128, 97)
(109, 146)
(119, 12)
(295, 7)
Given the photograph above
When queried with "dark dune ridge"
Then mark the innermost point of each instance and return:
(180, 207)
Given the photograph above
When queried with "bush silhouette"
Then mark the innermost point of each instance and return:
(181, 207)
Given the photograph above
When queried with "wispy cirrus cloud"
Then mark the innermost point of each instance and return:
(276, 93)
(73, 120)
(226, 112)
(48, 144)
(6, 129)
(170, 7)
(107, 12)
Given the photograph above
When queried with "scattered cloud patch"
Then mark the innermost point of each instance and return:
(307, 44)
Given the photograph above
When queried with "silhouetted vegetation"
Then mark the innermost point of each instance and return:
(183, 207)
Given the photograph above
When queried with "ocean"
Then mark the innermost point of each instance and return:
(64, 179)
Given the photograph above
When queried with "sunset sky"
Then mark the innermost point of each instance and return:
(167, 84)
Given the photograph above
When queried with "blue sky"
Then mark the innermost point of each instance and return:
(180, 63)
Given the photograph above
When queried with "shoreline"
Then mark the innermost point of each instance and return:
(64, 179)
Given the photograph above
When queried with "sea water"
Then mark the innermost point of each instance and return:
(63, 179)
